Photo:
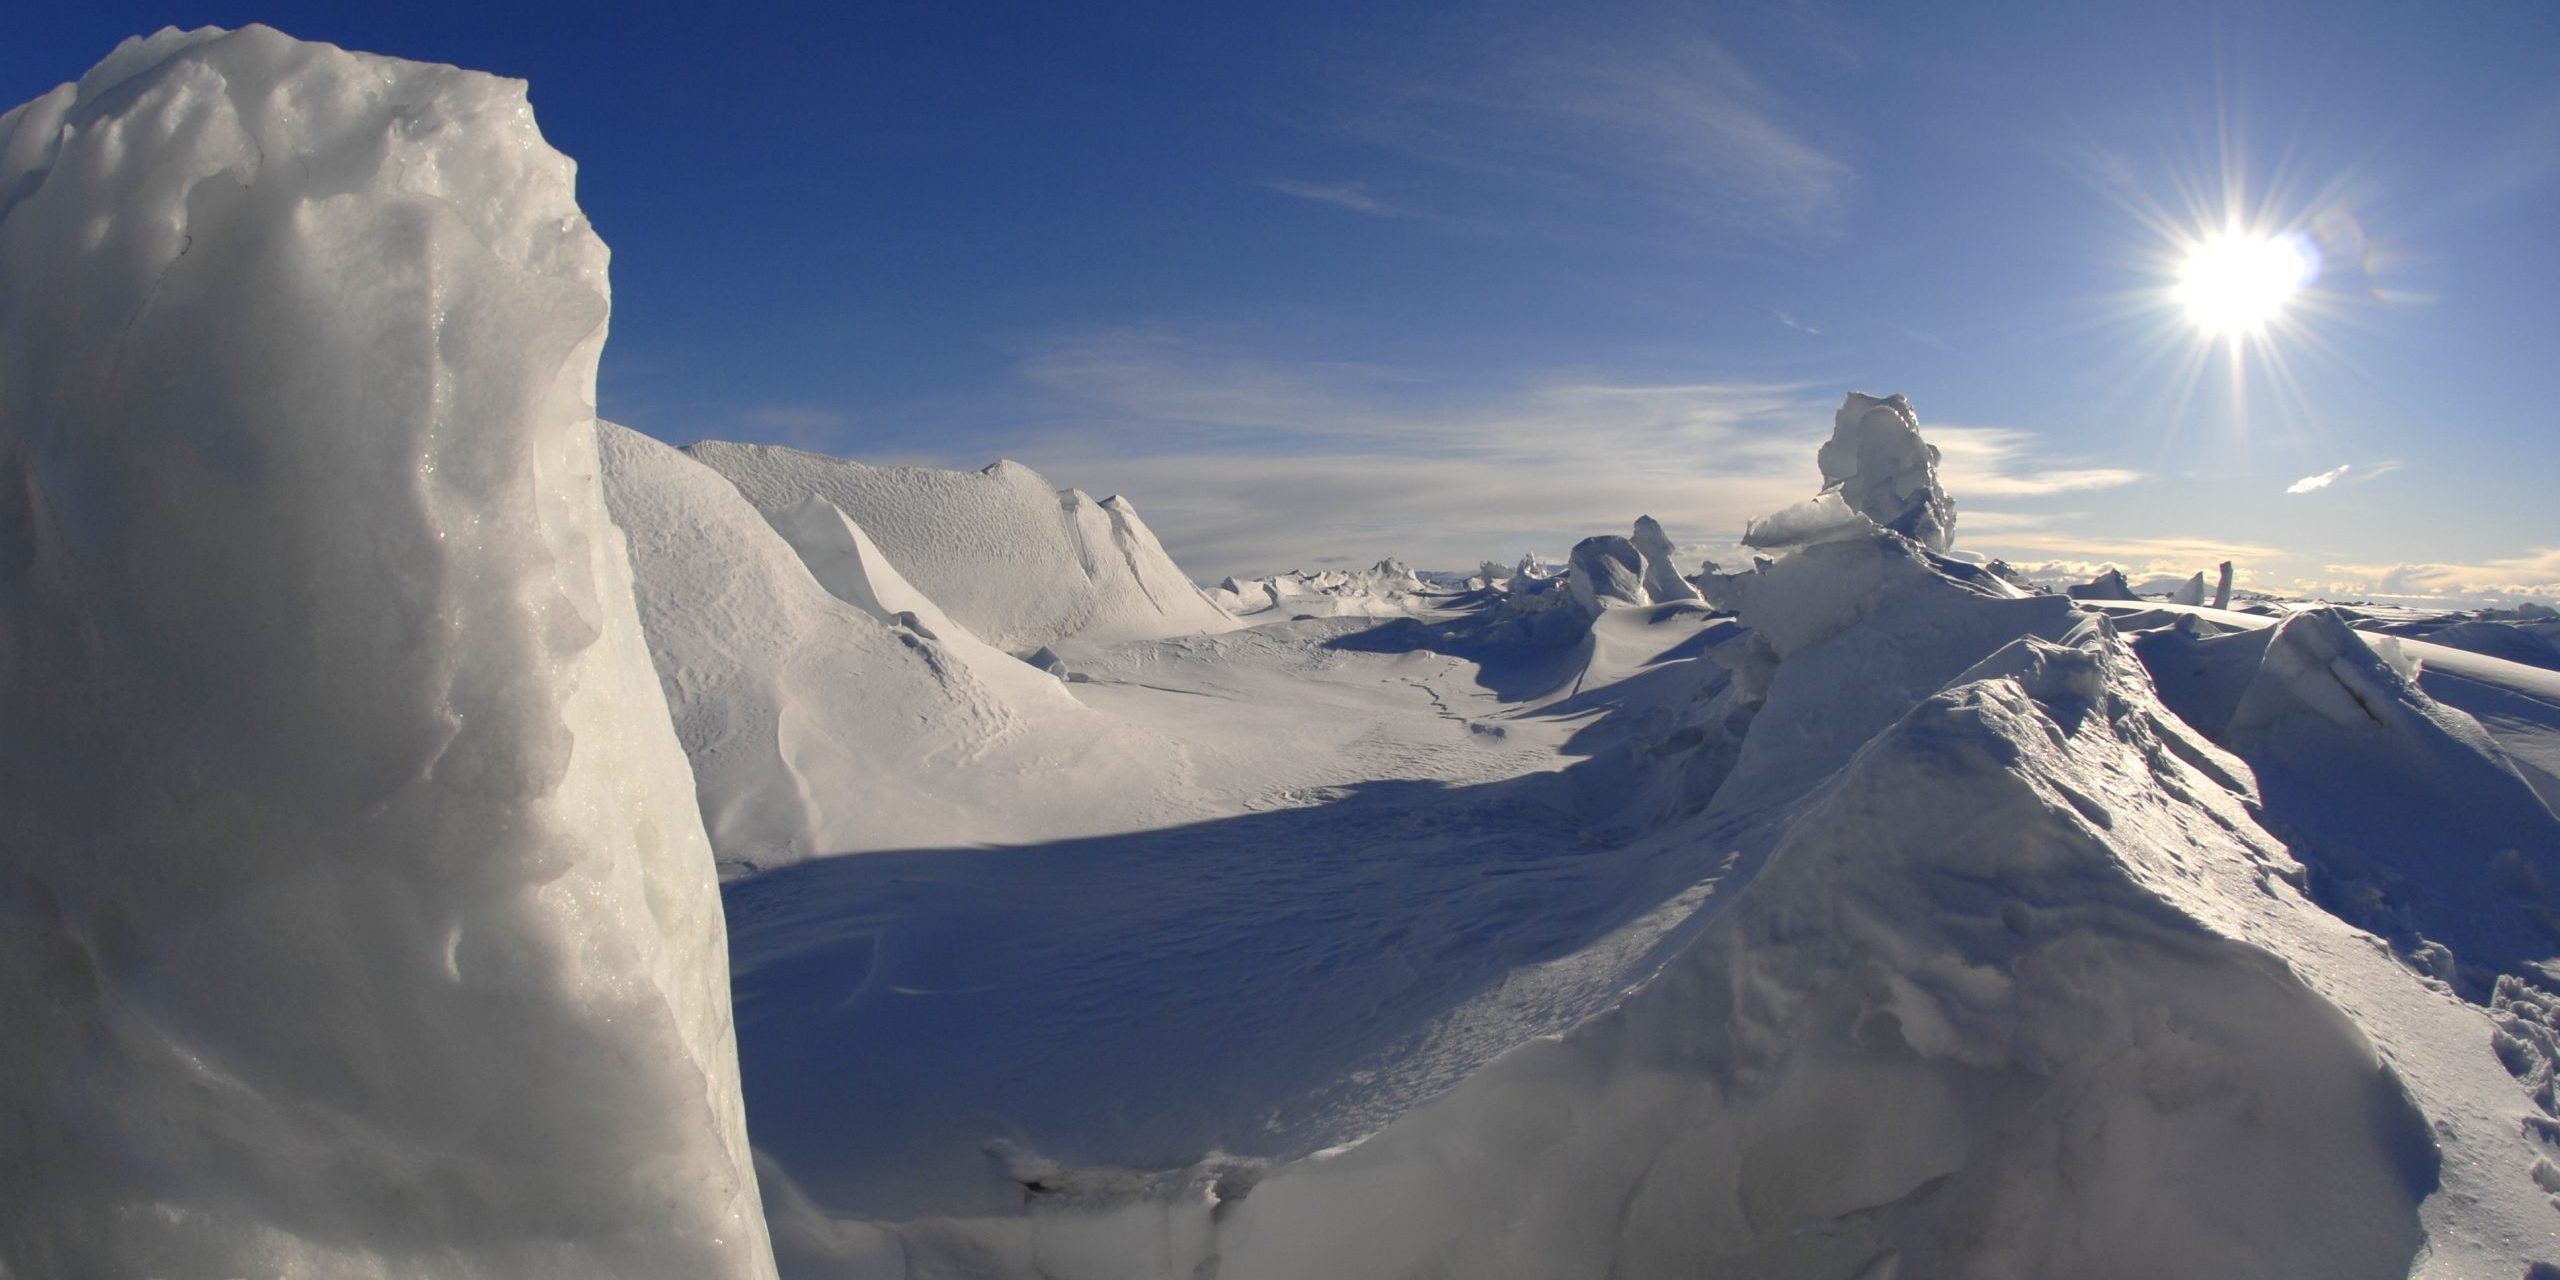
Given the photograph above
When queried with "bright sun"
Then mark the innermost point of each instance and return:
(2233, 284)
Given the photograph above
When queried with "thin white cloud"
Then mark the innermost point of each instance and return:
(1245, 462)
(1341, 195)
(2000, 462)
(2533, 574)
(2345, 473)
(1559, 108)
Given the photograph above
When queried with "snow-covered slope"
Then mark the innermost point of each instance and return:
(355, 920)
(1993, 1008)
(1953, 950)
(1021, 564)
(843, 712)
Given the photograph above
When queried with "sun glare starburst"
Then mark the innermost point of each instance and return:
(2234, 284)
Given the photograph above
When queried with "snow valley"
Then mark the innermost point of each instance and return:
(443, 833)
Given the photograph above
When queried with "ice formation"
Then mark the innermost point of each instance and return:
(1019, 563)
(2189, 592)
(1662, 580)
(1877, 462)
(2222, 587)
(2108, 585)
(1388, 589)
(1607, 570)
(357, 922)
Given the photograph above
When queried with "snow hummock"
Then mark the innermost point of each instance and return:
(1971, 1019)
(1387, 589)
(1016, 561)
(828, 705)
(355, 919)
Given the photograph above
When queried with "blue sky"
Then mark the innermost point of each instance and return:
(1320, 282)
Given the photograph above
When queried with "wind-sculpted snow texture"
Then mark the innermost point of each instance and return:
(354, 918)
(2003, 969)
(1017, 562)
(2411, 818)
(1962, 1024)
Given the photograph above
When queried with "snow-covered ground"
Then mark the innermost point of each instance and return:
(1862, 914)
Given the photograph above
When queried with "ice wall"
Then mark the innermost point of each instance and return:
(355, 919)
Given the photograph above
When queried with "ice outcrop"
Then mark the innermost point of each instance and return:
(1017, 562)
(354, 916)
(1607, 570)
(2108, 585)
(2189, 592)
(1387, 589)
(1662, 580)
(1879, 465)
(2222, 587)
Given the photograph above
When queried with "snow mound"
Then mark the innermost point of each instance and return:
(1021, 564)
(1879, 465)
(829, 707)
(2412, 820)
(2530, 642)
(1960, 1025)
(356, 921)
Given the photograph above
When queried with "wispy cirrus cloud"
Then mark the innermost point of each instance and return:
(2533, 574)
(1560, 111)
(2002, 462)
(1243, 461)
(1353, 196)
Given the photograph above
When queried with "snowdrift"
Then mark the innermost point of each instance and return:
(1017, 562)
(827, 705)
(354, 917)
